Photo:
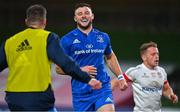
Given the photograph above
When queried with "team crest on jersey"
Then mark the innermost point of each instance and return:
(100, 39)
(76, 41)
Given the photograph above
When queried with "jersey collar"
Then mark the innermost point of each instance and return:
(79, 32)
(144, 66)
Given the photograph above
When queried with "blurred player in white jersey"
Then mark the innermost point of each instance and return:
(149, 81)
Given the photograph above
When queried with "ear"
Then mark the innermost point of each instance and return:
(44, 21)
(92, 16)
(26, 21)
(143, 57)
(75, 19)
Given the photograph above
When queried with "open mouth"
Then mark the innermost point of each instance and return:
(84, 20)
(157, 61)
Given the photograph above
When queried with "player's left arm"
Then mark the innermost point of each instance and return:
(114, 66)
(168, 92)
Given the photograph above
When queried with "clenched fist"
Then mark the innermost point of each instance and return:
(174, 98)
(95, 84)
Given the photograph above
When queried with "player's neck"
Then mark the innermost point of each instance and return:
(36, 26)
(86, 31)
(148, 66)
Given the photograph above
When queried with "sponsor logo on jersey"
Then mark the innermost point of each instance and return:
(76, 41)
(154, 86)
(89, 46)
(24, 46)
(152, 89)
(77, 52)
(108, 100)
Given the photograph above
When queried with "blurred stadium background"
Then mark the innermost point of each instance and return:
(129, 24)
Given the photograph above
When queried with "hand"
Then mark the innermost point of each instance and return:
(91, 70)
(59, 70)
(114, 83)
(122, 84)
(95, 84)
(174, 98)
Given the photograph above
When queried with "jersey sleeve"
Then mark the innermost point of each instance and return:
(131, 74)
(108, 49)
(57, 55)
(3, 62)
(165, 75)
(65, 45)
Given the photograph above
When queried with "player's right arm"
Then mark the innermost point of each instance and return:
(59, 70)
(70, 67)
(128, 75)
(90, 69)
(115, 81)
(3, 62)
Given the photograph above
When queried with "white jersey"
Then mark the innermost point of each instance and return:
(147, 87)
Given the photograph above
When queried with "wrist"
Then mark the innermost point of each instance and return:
(120, 77)
(170, 96)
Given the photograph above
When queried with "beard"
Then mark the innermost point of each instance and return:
(84, 27)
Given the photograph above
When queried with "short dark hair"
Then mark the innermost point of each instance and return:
(78, 5)
(36, 13)
(145, 46)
